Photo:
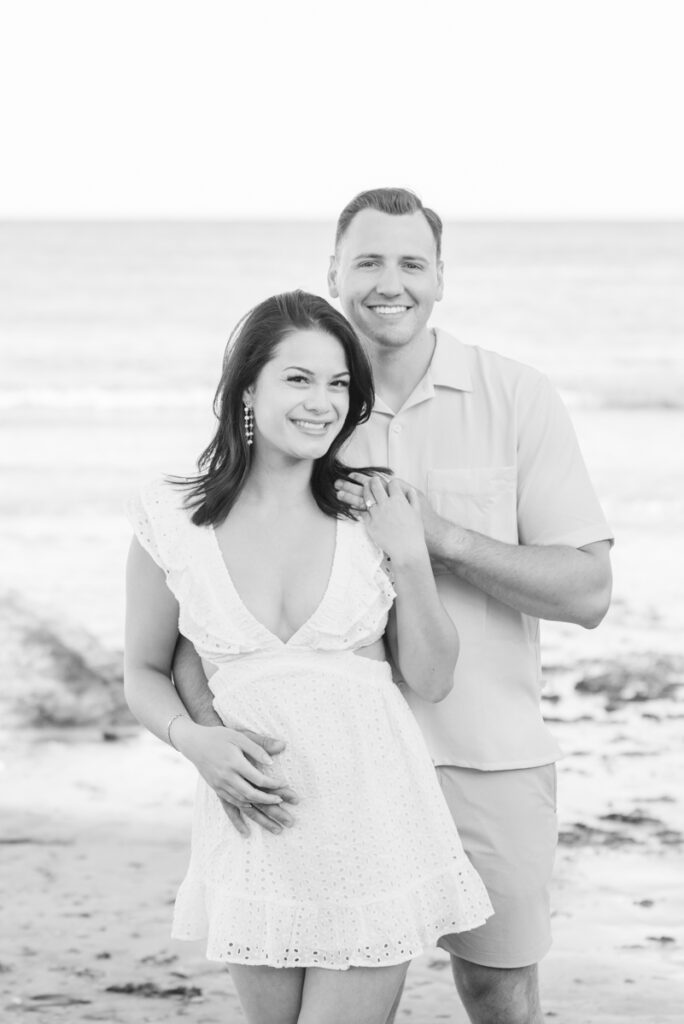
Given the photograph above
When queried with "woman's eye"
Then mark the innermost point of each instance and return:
(298, 379)
(344, 384)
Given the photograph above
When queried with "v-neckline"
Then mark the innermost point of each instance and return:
(257, 622)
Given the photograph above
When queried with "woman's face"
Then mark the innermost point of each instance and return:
(301, 397)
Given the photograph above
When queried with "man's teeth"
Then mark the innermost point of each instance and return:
(390, 310)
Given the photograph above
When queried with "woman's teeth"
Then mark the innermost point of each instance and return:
(310, 426)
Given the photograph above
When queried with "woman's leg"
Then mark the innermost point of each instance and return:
(269, 995)
(364, 995)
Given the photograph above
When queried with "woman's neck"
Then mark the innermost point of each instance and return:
(280, 483)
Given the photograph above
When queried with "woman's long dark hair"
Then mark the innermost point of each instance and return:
(224, 464)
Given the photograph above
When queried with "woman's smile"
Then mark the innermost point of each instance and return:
(315, 427)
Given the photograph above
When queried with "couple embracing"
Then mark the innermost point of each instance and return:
(357, 572)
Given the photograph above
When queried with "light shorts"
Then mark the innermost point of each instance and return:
(508, 827)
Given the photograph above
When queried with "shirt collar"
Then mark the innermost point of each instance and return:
(448, 369)
(449, 365)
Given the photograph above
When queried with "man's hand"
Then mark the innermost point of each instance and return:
(235, 764)
(272, 817)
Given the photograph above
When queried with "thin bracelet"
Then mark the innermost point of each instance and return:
(168, 728)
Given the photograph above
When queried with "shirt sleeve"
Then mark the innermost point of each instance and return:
(557, 503)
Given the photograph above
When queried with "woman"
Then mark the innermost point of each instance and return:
(285, 597)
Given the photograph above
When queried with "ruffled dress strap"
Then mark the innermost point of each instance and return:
(354, 613)
(161, 523)
(209, 616)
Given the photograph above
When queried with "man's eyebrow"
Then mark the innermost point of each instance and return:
(379, 256)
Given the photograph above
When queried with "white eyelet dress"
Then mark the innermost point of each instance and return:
(373, 871)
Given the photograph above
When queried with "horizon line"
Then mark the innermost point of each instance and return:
(289, 219)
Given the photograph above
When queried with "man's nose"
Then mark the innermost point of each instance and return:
(389, 282)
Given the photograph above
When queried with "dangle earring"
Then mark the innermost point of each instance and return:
(249, 425)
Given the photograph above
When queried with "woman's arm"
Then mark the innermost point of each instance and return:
(422, 637)
(219, 754)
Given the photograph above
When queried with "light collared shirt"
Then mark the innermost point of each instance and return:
(491, 444)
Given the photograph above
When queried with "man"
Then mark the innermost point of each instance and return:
(515, 534)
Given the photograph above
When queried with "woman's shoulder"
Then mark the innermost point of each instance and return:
(163, 499)
(365, 557)
(160, 518)
(357, 532)
(163, 491)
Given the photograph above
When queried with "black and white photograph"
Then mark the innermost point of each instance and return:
(342, 461)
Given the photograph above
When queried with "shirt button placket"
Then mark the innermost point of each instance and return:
(394, 446)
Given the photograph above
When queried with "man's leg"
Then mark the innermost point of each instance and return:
(507, 823)
(498, 995)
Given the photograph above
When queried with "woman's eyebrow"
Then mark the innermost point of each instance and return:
(303, 369)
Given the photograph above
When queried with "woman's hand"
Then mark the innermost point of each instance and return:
(422, 638)
(235, 766)
(393, 519)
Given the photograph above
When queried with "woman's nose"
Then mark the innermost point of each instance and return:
(318, 399)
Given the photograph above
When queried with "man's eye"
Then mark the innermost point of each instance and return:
(413, 266)
(367, 263)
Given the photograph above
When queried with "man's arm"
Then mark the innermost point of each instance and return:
(192, 688)
(191, 684)
(552, 581)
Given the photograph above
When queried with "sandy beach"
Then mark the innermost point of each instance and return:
(95, 840)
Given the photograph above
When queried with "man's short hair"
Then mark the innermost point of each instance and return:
(394, 201)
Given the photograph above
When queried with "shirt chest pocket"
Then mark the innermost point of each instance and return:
(481, 499)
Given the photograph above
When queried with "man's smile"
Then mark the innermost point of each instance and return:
(390, 310)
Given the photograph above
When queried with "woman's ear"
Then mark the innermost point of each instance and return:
(248, 397)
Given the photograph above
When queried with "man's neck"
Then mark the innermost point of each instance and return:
(397, 371)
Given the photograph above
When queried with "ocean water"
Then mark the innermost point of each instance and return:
(111, 338)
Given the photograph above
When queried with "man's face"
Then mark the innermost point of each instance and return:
(387, 276)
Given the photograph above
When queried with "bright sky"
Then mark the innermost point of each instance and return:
(201, 108)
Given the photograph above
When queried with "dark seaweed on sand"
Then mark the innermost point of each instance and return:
(54, 673)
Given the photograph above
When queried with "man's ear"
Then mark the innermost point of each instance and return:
(440, 280)
(332, 278)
